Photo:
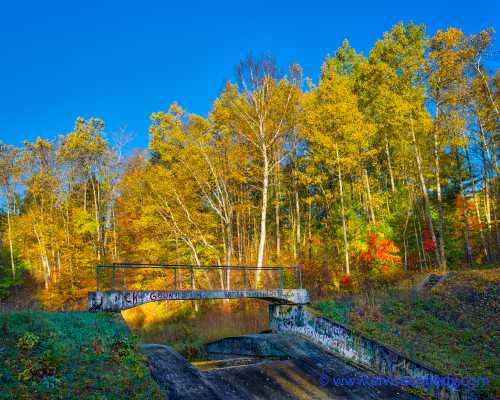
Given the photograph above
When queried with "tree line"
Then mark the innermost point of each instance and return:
(389, 163)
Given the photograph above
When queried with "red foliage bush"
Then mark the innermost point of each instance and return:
(345, 281)
(428, 243)
(381, 254)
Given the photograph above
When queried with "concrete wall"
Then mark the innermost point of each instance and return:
(358, 349)
(114, 301)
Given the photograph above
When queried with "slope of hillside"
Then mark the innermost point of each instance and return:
(452, 326)
(71, 355)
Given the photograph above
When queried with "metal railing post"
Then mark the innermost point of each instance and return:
(119, 282)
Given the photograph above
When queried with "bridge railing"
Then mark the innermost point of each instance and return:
(141, 276)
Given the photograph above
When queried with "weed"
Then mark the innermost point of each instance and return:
(28, 341)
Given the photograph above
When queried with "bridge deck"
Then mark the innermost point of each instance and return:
(115, 301)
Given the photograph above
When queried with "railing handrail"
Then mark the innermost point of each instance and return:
(192, 268)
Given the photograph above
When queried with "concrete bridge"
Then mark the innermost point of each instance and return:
(115, 284)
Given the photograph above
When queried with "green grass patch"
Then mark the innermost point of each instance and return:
(337, 311)
(74, 355)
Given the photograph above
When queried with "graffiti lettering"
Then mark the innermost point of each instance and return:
(353, 346)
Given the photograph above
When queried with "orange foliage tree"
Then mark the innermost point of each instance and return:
(379, 263)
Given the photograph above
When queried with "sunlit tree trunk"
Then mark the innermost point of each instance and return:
(115, 234)
(96, 218)
(344, 223)
(424, 192)
(277, 206)
(369, 193)
(9, 234)
(466, 230)
(491, 167)
(292, 222)
(487, 86)
(263, 215)
(239, 237)
(297, 222)
(389, 164)
(309, 234)
(476, 207)
(437, 172)
(43, 257)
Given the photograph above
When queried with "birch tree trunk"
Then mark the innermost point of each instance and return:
(238, 237)
(424, 193)
(44, 258)
(369, 193)
(297, 222)
(263, 215)
(466, 230)
(9, 233)
(476, 206)
(344, 224)
(437, 172)
(96, 217)
(277, 208)
(115, 234)
(389, 164)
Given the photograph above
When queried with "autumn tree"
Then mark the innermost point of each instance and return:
(259, 109)
(9, 175)
(336, 132)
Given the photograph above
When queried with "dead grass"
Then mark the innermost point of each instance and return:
(177, 324)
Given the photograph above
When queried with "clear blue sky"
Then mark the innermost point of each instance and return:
(121, 61)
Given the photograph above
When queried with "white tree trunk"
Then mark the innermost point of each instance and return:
(442, 255)
(344, 224)
(369, 193)
(9, 233)
(263, 215)
(297, 222)
(389, 164)
(424, 193)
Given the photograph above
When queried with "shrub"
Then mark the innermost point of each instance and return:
(28, 341)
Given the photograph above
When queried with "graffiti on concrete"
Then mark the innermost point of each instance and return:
(115, 301)
(356, 348)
